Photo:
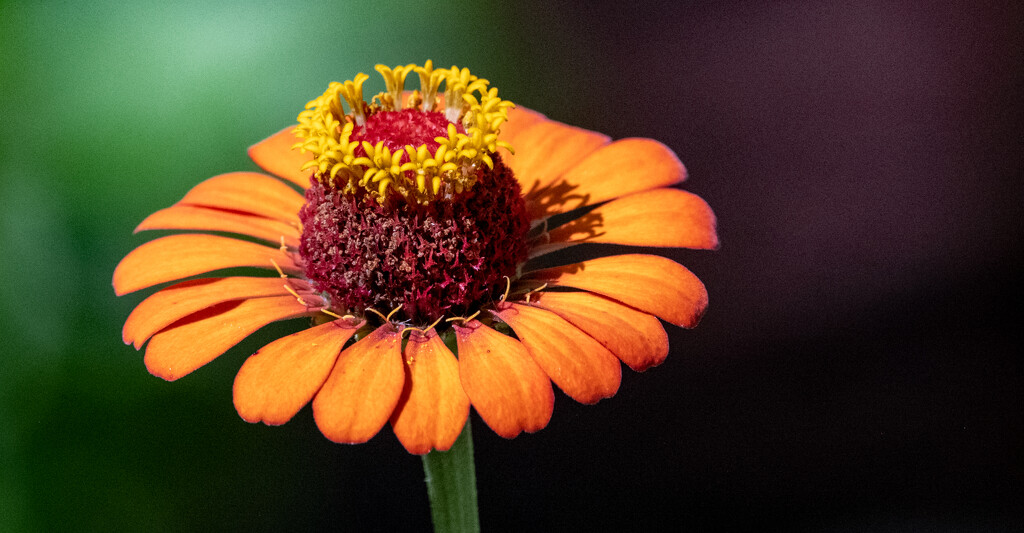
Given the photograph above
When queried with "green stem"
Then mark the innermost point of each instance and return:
(451, 486)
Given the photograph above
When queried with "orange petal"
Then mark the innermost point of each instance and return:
(506, 386)
(546, 149)
(433, 408)
(519, 119)
(169, 305)
(577, 363)
(199, 338)
(201, 218)
(623, 167)
(250, 192)
(282, 377)
(662, 217)
(650, 283)
(637, 338)
(180, 256)
(363, 389)
(275, 155)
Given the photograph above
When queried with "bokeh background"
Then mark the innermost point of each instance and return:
(857, 368)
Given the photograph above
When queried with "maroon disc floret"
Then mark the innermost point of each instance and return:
(446, 258)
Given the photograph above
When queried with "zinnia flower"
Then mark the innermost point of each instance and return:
(417, 228)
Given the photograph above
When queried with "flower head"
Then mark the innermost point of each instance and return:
(416, 232)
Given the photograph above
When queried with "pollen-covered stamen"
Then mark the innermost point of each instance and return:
(459, 83)
(394, 79)
(430, 81)
(353, 93)
(404, 159)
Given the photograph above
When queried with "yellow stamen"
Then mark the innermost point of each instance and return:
(392, 313)
(394, 79)
(278, 269)
(508, 287)
(353, 92)
(465, 319)
(430, 81)
(413, 172)
(335, 315)
(296, 295)
(538, 289)
(378, 313)
(423, 330)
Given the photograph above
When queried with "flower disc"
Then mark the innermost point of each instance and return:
(445, 258)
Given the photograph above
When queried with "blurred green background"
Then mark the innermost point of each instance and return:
(854, 371)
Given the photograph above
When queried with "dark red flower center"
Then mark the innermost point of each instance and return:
(398, 129)
(445, 258)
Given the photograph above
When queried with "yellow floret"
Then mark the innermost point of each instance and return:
(413, 172)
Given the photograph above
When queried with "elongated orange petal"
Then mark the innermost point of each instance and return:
(433, 408)
(505, 385)
(250, 192)
(180, 256)
(546, 149)
(578, 364)
(275, 155)
(635, 337)
(363, 389)
(199, 338)
(650, 283)
(662, 217)
(283, 376)
(623, 167)
(205, 219)
(519, 119)
(169, 305)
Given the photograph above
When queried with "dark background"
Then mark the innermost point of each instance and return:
(857, 369)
